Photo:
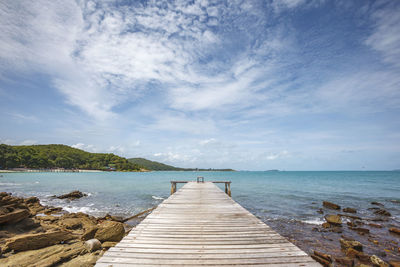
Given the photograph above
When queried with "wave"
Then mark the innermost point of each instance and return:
(157, 198)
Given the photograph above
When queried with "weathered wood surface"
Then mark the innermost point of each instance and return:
(200, 225)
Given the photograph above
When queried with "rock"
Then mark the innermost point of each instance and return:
(92, 245)
(323, 261)
(333, 219)
(27, 224)
(110, 231)
(375, 225)
(71, 223)
(378, 262)
(394, 230)
(382, 212)
(394, 263)
(52, 210)
(330, 205)
(350, 210)
(89, 233)
(377, 203)
(14, 216)
(360, 230)
(31, 200)
(55, 255)
(323, 255)
(345, 261)
(73, 195)
(345, 244)
(326, 225)
(351, 252)
(320, 211)
(117, 218)
(108, 244)
(36, 241)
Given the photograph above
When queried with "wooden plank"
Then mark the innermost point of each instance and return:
(200, 225)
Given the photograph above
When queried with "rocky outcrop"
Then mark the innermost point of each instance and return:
(45, 257)
(330, 205)
(110, 231)
(72, 195)
(14, 216)
(36, 241)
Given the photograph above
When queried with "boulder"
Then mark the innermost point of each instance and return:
(92, 245)
(377, 203)
(330, 205)
(350, 210)
(110, 231)
(382, 212)
(27, 224)
(73, 195)
(378, 262)
(14, 216)
(345, 244)
(36, 241)
(323, 261)
(333, 219)
(394, 263)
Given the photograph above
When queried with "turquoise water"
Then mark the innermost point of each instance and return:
(269, 195)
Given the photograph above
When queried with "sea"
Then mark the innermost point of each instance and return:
(270, 195)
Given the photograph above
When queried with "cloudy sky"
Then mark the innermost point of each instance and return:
(249, 85)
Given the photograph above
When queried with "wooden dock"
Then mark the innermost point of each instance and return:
(200, 225)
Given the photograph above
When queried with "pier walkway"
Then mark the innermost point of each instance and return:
(200, 225)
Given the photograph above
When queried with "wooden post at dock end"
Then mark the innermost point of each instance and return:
(173, 187)
(228, 188)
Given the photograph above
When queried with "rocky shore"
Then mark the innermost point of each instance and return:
(35, 235)
(347, 238)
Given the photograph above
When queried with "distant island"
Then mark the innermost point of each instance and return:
(50, 157)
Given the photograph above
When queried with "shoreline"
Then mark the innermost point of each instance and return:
(39, 235)
(372, 232)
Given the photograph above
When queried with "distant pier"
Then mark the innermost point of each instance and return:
(200, 225)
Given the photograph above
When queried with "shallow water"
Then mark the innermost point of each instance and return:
(269, 195)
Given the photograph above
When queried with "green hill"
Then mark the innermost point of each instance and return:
(61, 156)
(153, 165)
(157, 166)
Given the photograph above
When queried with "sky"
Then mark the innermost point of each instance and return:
(248, 85)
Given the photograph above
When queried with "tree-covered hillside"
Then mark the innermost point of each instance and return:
(154, 165)
(61, 156)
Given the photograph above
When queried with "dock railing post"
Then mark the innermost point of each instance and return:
(173, 187)
(200, 179)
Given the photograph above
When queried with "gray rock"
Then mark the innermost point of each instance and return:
(92, 245)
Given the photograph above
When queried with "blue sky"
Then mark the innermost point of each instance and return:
(250, 85)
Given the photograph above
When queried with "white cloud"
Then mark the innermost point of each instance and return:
(279, 155)
(28, 142)
(386, 34)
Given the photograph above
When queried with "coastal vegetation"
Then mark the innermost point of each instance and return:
(61, 156)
